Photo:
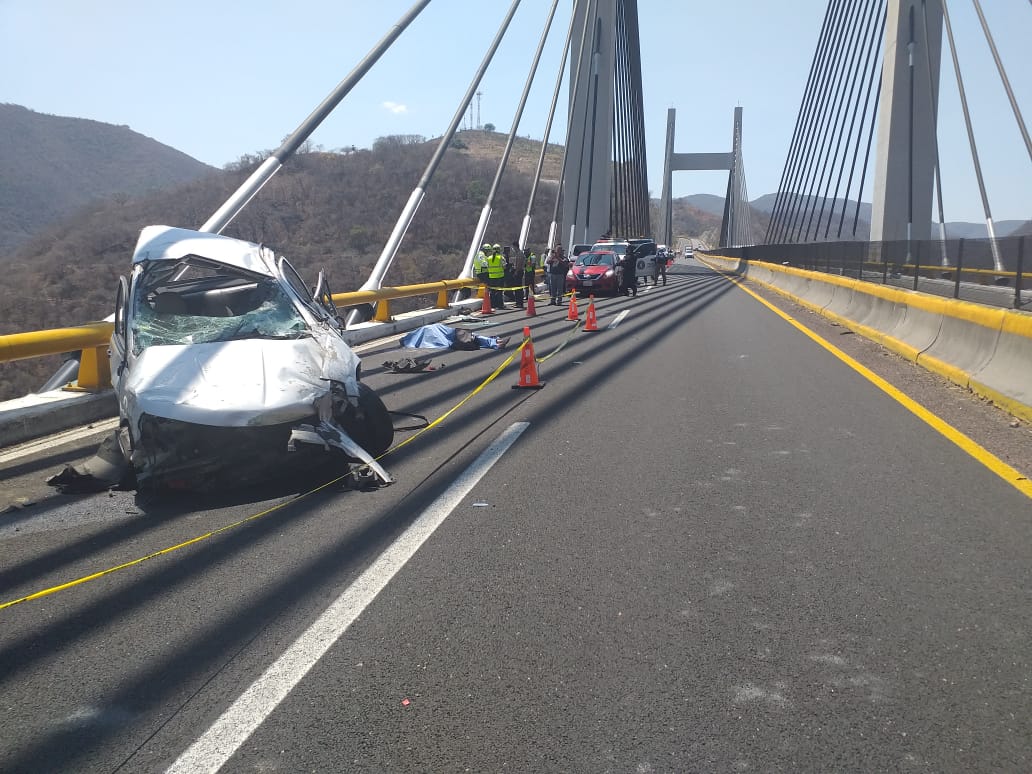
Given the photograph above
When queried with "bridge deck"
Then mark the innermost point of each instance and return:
(713, 546)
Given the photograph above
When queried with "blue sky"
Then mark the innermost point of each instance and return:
(220, 79)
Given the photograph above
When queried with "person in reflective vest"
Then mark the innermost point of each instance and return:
(496, 276)
(480, 263)
(530, 268)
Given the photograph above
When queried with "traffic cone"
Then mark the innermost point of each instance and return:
(528, 366)
(531, 309)
(572, 314)
(591, 322)
(485, 308)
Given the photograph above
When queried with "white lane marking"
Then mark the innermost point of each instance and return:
(57, 439)
(213, 748)
(618, 319)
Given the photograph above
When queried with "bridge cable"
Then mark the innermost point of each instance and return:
(544, 140)
(589, 12)
(795, 192)
(780, 197)
(846, 109)
(644, 200)
(871, 68)
(621, 150)
(933, 98)
(844, 63)
(867, 155)
(791, 190)
(510, 140)
(1004, 78)
(997, 261)
(819, 136)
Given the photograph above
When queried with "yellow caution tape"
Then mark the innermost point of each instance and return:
(199, 538)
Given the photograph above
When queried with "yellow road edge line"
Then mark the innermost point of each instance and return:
(1009, 474)
(198, 538)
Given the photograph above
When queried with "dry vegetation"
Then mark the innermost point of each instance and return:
(331, 211)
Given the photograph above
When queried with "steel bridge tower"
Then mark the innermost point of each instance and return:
(905, 158)
(605, 188)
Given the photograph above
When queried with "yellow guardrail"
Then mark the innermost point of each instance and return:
(92, 338)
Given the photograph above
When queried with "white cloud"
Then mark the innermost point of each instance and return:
(394, 107)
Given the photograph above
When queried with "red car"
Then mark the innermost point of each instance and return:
(595, 272)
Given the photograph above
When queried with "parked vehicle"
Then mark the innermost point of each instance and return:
(578, 249)
(643, 249)
(595, 272)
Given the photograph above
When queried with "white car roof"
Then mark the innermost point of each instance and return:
(168, 243)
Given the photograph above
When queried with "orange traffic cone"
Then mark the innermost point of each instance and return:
(486, 306)
(531, 309)
(572, 314)
(528, 366)
(591, 322)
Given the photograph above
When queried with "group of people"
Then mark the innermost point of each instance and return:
(557, 265)
(507, 272)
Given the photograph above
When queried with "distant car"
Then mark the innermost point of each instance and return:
(578, 249)
(595, 272)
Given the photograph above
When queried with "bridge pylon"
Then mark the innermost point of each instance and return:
(732, 231)
(906, 150)
(605, 183)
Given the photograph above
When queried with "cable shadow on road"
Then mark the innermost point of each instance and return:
(204, 653)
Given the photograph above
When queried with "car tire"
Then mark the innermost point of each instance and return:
(370, 426)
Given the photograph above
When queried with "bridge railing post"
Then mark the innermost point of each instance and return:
(960, 266)
(94, 370)
(1019, 271)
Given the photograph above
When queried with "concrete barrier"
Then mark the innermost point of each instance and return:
(1005, 379)
(967, 341)
(986, 349)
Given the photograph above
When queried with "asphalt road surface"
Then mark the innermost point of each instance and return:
(706, 544)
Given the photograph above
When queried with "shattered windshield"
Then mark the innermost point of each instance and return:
(195, 303)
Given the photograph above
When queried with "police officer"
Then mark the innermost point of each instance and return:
(629, 285)
(496, 276)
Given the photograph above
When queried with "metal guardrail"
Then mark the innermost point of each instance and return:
(92, 339)
(928, 265)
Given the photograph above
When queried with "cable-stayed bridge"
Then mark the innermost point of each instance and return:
(722, 536)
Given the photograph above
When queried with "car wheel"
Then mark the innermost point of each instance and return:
(370, 425)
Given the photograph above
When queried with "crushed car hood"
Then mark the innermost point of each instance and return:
(237, 383)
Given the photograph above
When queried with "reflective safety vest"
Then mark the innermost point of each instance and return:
(480, 263)
(531, 265)
(495, 266)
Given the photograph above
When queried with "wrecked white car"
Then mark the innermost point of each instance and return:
(228, 368)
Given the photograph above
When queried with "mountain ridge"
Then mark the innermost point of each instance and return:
(51, 166)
